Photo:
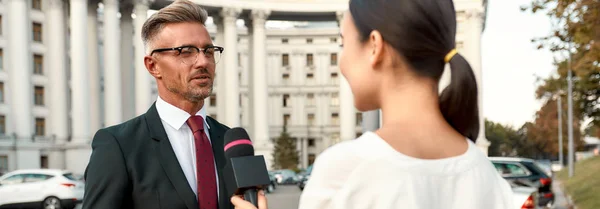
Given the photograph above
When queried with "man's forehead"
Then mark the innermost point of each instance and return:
(183, 33)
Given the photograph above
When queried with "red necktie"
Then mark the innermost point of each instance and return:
(205, 167)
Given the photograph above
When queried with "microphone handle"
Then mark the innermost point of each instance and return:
(251, 195)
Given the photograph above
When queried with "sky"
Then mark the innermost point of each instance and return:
(511, 62)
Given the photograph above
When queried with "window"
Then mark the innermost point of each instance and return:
(3, 164)
(34, 177)
(286, 119)
(38, 64)
(2, 125)
(214, 116)
(1, 92)
(335, 99)
(36, 4)
(311, 158)
(284, 41)
(0, 24)
(239, 59)
(16, 179)
(285, 76)
(311, 142)
(1, 53)
(310, 99)
(44, 161)
(38, 95)
(310, 75)
(459, 45)
(334, 75)
(286, 97)
(358, 119)
(285, 60)
(40, 126)
(333, 40)
(309, 40)
(333, 59)
(309, 59)
(213, 100)
(335, 119)
(310, 118)
(510, 169)
(37, 32)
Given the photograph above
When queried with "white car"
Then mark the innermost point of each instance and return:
(40, 188)
(525, 197)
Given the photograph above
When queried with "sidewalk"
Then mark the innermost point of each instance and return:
(560, 198)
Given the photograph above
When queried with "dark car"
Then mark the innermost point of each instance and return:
(303, 177)
(526, 172)
(272, 183)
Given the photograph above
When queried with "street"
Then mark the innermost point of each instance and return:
(284, 197)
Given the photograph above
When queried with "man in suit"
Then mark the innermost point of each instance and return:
(171, 156)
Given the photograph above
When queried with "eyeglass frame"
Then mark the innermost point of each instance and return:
(179, 48)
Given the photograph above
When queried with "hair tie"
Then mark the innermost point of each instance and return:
(450, 55)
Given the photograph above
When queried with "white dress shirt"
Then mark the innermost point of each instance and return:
(182, 139)
(367, 173)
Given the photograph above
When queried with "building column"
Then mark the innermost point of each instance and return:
(127, 68)
(112, 73)
(304, 153)
(259, 93)
(93, 67)
(59, 127)
(19, 69)
(232, 81)
(78, 152)
(220, 68)
(143, 88)
(473, 50)
(347, 112)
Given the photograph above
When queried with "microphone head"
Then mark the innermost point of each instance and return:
(237, 143)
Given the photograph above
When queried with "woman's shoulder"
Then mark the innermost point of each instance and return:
(361, 148)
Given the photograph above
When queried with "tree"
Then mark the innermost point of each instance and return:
(576, 31)
(285, 155)
(504, 140)
(542, 134)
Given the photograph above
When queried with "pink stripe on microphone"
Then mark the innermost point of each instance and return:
(238, 142)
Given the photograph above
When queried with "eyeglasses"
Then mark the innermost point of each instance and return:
(189, 54)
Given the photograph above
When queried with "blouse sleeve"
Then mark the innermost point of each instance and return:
(330, 172)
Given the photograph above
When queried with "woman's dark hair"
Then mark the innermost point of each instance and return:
(423, 32)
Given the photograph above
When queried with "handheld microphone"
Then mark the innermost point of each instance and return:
(244, 173)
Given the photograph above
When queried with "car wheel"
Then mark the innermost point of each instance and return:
(270, 188)
(51, 203)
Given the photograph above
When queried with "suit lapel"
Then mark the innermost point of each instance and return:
(168, 160)
(216, 132)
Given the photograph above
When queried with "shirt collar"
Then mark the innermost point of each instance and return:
(174, 116)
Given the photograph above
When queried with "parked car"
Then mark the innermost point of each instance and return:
(525, 197)
(285, 176)
(40, 188)
(303, 177)
(272, 183)
(526, 172)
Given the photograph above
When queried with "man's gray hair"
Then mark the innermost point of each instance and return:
(177, 12)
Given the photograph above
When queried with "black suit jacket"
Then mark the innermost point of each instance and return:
(133, 166)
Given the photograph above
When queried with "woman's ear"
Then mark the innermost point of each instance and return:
(150, 64)
(376, 48)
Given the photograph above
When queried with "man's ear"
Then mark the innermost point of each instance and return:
(376, 47)
(151, 66)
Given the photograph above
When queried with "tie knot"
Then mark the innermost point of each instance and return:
(196, 123)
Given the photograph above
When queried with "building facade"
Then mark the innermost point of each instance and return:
(66, 70)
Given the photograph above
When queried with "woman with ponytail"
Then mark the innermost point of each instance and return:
(423, 156)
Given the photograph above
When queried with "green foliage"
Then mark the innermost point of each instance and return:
(285, 155)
